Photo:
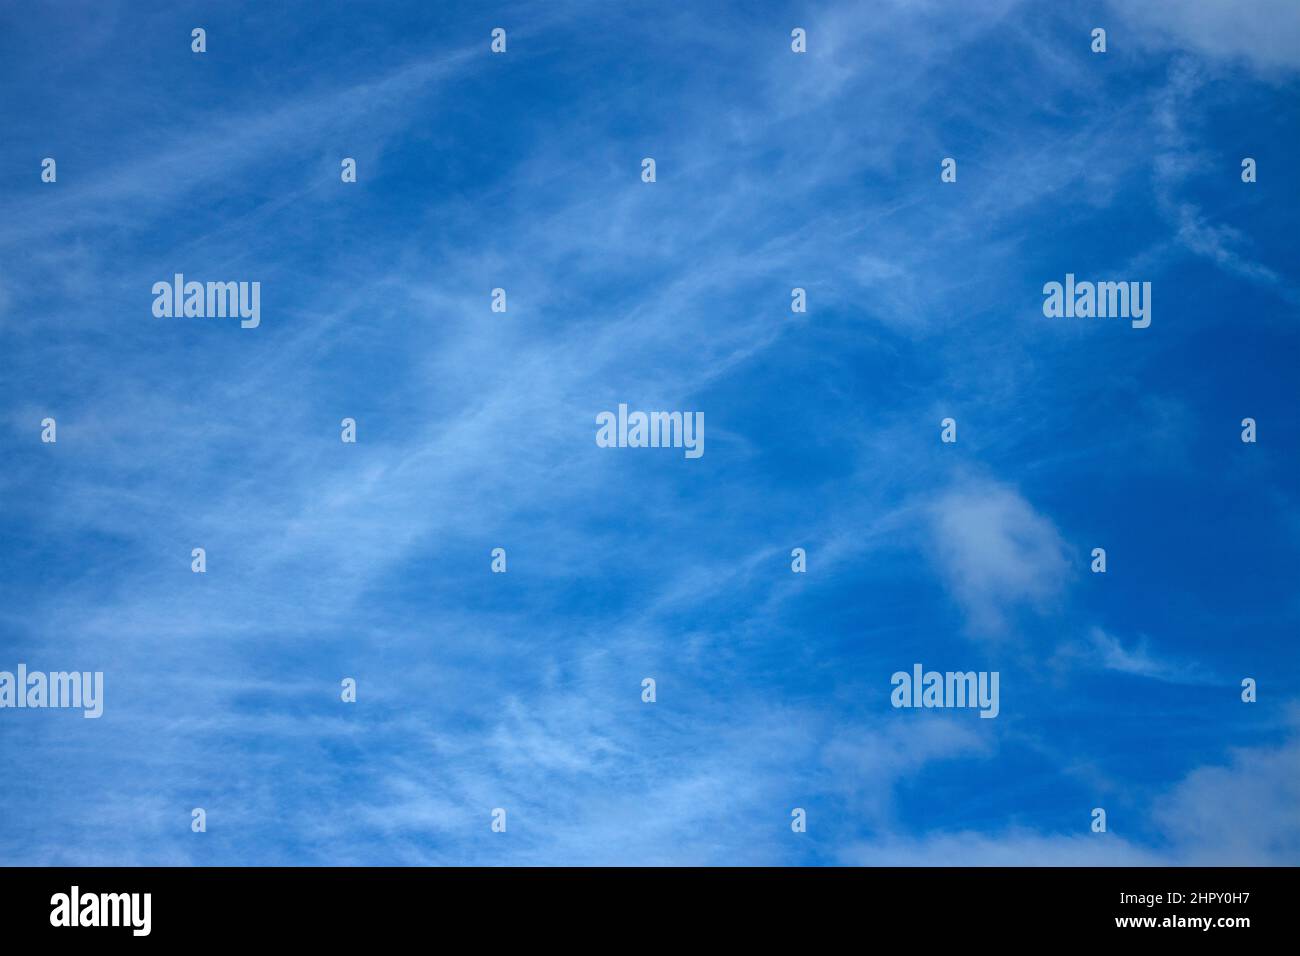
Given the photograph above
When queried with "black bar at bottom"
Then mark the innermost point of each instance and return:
(623, 905)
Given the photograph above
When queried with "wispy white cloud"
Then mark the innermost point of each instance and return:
(1105, 651)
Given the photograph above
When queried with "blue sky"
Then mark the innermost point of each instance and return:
(476, 430)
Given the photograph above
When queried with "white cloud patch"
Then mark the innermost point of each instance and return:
(995, 552)
(1012, 848)
(1264, 34)
(1244, 814)
(867, 764)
